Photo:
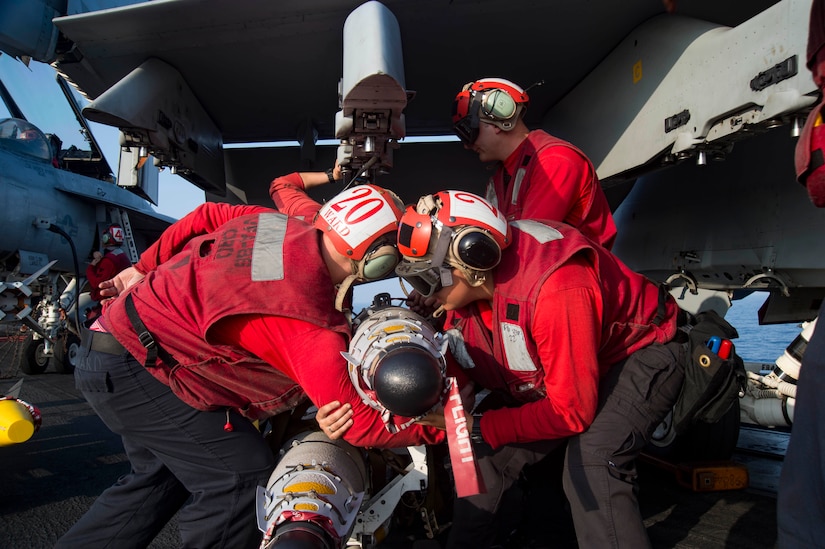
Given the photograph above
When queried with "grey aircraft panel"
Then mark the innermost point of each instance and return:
(261, 69)
(645, 94)
(419, 168)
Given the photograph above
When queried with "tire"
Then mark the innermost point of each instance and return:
(702, 442)
(34, 361)
(66, 354)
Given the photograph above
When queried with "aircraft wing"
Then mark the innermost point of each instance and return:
(269, 71)
(651, 97)
(261, 69)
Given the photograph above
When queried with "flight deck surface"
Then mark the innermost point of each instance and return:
(50, 481)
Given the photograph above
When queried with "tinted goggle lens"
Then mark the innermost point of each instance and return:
(466, 130)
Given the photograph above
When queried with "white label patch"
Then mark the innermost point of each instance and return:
(268, 250)
(515, 348)
(459, 349)
(539, 231)
(517, 185)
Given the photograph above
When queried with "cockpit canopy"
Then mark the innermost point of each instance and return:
(25, 138)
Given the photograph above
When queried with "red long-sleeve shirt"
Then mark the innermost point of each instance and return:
(308, 354)
(563, 187)
(568, 333)
(312, 357)
(289, 195)
(548, 344)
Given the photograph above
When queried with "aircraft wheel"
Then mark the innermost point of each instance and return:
(34, 361)
(703, 441)
(67, 354)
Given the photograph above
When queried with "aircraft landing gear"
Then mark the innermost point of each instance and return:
(34, 360)
(67, 354)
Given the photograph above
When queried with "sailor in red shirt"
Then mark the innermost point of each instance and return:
(575, 345)
(229, 316)
(106, 265)
(538, 176)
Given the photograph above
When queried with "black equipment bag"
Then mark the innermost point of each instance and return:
(712, 384)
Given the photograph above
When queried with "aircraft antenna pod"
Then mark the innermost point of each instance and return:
(157, 111)
(372, 96)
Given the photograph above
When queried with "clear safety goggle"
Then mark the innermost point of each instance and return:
(425, 282)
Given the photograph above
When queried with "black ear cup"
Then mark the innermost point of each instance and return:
(476, 249)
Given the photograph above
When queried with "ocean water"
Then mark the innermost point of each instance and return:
(759, 343)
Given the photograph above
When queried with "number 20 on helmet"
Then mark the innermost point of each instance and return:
(361, 223)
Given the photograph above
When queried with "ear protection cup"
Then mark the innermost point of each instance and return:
(476, 249)
(499, 105)
(380, 262)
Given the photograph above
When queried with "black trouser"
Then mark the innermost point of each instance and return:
(800, 503)
(177, 454)
(600, 471)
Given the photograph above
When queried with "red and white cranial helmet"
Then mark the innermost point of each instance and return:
(454, 229)
(492, 100)
(113, 235)
(361, 223)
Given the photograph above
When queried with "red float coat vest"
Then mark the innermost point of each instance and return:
(509, 360)
(262, 263)
(514, 199)
(113, 261)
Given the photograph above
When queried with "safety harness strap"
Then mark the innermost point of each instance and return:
(661, 310)
(146, 339)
